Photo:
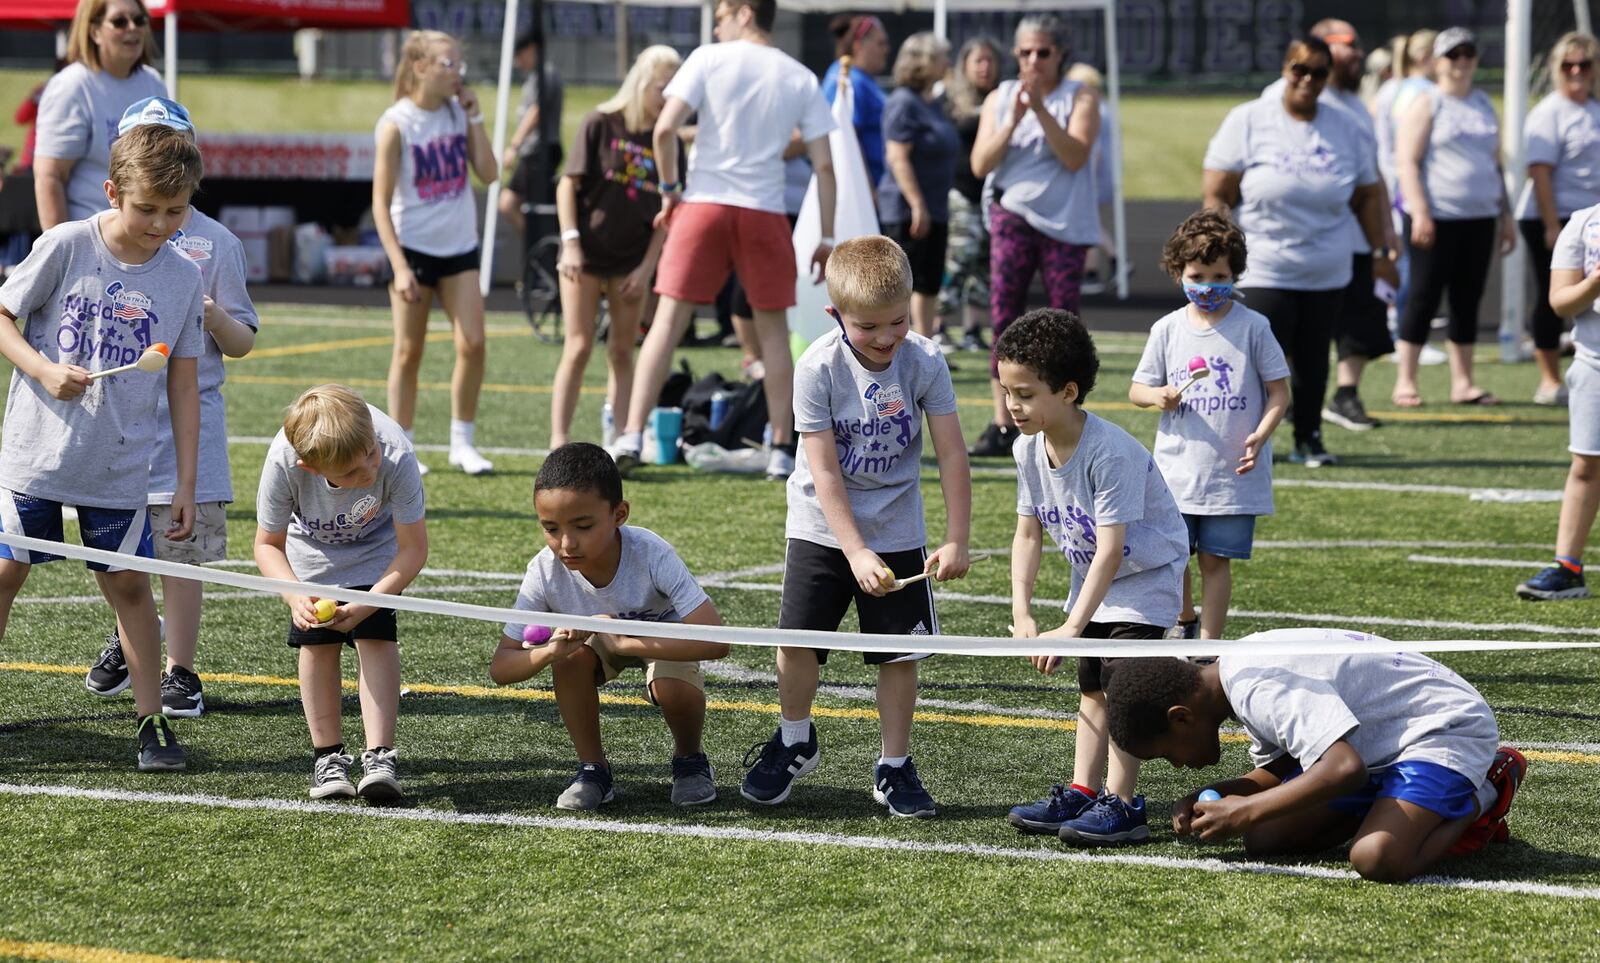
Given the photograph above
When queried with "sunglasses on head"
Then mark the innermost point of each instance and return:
(122, 21)
(1577, 66)
(1463, 52)
(1302, 71)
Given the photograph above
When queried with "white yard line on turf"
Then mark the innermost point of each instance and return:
(767, 835)
(1478, 562)
(861, 693)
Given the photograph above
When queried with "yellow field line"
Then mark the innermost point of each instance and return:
(15, 949)
(371, 341)
(983, 720)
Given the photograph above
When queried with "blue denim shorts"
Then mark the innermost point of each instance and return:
(1426, 784)
(1225, 536)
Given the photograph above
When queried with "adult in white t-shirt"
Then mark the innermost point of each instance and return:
(1561, 142)
(750, 97)
(110, 50)
(422, 206)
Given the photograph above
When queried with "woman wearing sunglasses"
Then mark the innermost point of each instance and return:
(1454, 207)
(1292, 172)
(110, 50)
(1561, 140)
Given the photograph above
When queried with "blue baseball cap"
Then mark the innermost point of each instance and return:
(155, 110)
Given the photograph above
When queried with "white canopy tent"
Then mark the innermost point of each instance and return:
(940, 9)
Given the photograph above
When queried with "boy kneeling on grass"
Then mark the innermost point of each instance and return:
(595, 564)
(1392, 752)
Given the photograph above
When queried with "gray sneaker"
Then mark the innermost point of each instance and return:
(380, 781)
(589, 789)
(330, 776)
(693, 780)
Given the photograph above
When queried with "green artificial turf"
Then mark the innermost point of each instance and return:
(196, 880)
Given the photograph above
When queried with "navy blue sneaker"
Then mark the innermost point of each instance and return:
(773, 773)
(589, 789)
(1109, 822)
(1049, 814)
(899, 788)
(1553, 584)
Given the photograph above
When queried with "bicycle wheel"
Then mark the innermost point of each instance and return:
(540, 291)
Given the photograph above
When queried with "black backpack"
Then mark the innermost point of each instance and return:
(742, 426)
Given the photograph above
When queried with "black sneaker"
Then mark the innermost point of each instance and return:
(109, 674)
(182, 695)
(901, 789)
(1311, 454)
(330, 776)
(158, 747)
(1348, 412)
(995, 442)
(774, 771)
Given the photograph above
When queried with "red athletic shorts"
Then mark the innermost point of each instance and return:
(706, 241)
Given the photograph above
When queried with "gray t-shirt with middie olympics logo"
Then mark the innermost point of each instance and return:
(1198, 446)
(1109, 480)
(80, 305)
(341, 536)
(876, 420)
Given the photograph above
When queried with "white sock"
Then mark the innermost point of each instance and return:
(634, 441)
(1486, 796)
(893, 762)
(461, 433)
(796, 732)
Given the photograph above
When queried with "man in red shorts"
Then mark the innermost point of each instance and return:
(751, 97)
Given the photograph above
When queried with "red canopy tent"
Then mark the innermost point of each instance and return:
(223, 15)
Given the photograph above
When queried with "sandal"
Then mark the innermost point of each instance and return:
(1406, 399)
(1482, 398)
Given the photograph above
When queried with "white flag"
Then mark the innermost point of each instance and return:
(855, 214)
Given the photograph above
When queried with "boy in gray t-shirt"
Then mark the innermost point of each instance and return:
(96, 295)
(230, 329)
(1392, 749)
(1098, 493)
(855, 526)
(1216, 371)
(594, 564)
(341, 503)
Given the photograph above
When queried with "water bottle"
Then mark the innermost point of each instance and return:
(665, 427)
(608, 426)
(719, 409)
(766, 436)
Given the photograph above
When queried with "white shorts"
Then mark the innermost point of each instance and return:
(1583, 409)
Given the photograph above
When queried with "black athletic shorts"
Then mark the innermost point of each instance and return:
(430, 270)
(818, 588)
(1093, 671)
(925, 253)
(378, 627)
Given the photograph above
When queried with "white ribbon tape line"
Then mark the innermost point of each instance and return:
(1272, 643)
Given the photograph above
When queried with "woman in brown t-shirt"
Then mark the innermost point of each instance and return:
(607, 203)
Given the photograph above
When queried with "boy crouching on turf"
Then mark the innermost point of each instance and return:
(230, 329)
(1394, 752)
(341, 503)
(595, 564)
(855, 521)
(96, 294)
(1098, 493)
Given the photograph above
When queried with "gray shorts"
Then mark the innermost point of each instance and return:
(1583, 409)
(207, 542)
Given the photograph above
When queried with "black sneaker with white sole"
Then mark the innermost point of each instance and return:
(776, 767)
(182, 696)
(109, 675)
(330, 776)
(380, 777)
(1349, 413)
(158, 747)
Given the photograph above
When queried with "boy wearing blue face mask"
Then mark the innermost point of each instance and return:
(1221, 381)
